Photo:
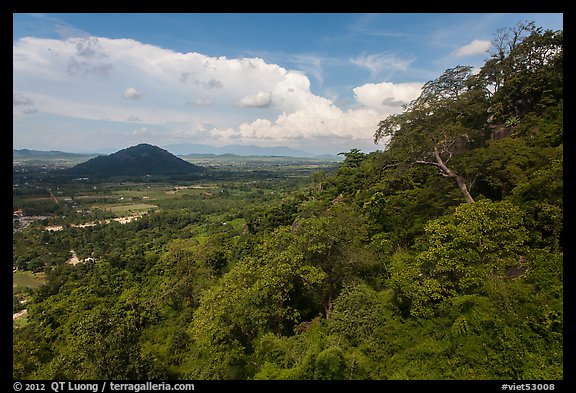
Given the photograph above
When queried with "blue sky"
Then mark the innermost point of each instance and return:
(315, 82)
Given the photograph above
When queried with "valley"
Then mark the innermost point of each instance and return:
(45, 203)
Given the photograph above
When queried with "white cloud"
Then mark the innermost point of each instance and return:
(66, 107)
(289, 112)
(131, 94)
(476, 47)
(387, 98)
(328, 129)
(262, 99)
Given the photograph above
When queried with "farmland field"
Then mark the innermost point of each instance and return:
(27, 279)
(122, 209)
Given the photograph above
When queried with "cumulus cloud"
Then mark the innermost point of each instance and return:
(476, 47)
(290, 113)
(262, 99)
(131, 94)
(380, 63)
(386, 97)
(323, 126)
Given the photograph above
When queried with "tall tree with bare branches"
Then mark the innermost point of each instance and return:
(443, 122)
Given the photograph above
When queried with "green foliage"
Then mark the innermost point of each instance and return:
(501, 166)
(329, 364)
(512, 121)
(525, 70)
(359, 312)
(464, 250)
(546, 271)
(353, 159)
(543, 130)
(545, 185)
(25, 357)
(402, 205)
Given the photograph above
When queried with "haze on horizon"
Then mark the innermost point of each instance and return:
(313, 82)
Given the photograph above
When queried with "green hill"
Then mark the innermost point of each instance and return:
(139, 160)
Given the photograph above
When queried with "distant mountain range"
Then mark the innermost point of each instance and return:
(139, 160)
(239, 150)
(180, 149)
(26, 154)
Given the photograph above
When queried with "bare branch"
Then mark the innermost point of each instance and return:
(437, 166)
(426, 163)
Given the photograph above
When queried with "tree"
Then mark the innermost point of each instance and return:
(525, 70)
(334, 244)
(359, 312)
(465, 249)
(441, 123)
(104, 344)
(353, 158)
(504, 43)
(255, 294)
(187, 274)
(501, 166)
(295, 274)
(25, 359)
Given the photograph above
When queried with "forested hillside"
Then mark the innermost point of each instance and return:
(438, 257)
